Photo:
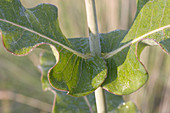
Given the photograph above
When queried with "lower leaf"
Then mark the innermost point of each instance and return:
(77, 75)
(126, 73)
(64, 103)
(128, 107)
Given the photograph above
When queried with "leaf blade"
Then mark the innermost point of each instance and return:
(37, 21)
(145, 27)
(86, 74)
(125, 73)
(25, 29)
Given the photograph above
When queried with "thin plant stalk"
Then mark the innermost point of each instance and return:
(94, 39)
(95, 49)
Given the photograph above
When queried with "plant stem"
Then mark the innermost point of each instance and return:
(100, 100)
(95, 49)
(94, 39)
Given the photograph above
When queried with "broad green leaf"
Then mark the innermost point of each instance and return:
(79, 76)
(67, 104)
(152, 24)
(128, 107)
(113, 101)
(24, 29)
(126, 73)
(62, 101)
(84, 74)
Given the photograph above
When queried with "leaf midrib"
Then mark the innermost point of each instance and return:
(112, 53)
(46, 37)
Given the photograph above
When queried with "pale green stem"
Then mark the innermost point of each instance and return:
(95, 49)
(100, 100)
(93, 28)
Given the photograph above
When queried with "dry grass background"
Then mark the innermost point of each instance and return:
(19, 76)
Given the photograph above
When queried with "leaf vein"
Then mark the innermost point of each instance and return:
(112, 53)
(47, 38)
(162, 13)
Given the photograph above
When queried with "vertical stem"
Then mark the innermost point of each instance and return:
(100, 100)
(95, 49)
(94, 39)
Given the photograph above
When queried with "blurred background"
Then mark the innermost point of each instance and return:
(20, 86)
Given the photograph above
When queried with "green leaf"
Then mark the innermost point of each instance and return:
(62, 101)
(65, 103)
(113, 101)
(85, 75)
(152, 24)
(128, 107)
(18, 23)
(79, 76)
(68, 104)
(24, 29)
(80, 44)
(126, 73)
